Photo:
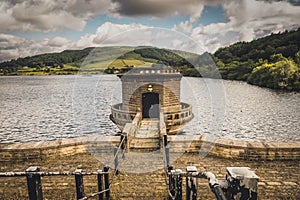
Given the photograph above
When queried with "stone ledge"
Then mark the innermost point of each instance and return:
(237, 149)
(233, 149)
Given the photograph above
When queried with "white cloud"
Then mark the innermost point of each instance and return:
(185, 27)
(49, 15)
(252, 19)
(10, 41)
(12, 47)
(246, 20)
(108, 34)
(249, 19)
(58, 42)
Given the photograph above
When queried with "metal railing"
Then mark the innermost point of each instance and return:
(240, 183)
(34, 182)
(233, 188)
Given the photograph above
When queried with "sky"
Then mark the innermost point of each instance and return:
(30, 27)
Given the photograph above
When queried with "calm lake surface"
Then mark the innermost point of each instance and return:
(51, 107)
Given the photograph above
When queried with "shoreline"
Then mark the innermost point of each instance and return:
(66, 73)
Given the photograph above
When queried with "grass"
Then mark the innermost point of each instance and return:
(96, 62)
(118, 63)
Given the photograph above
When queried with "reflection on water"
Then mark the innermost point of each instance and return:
(46, 108)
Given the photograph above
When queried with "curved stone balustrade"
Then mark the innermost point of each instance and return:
(175, 118)
(120, 116)
(179, 117)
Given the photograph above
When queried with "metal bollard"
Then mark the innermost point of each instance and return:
(106, 182)
(34, 183)
(191, 186)
(172, 184)
(165, 140)
(79, 184)
(178, 180)
(167, 156)
(100, 184)
(242, 183)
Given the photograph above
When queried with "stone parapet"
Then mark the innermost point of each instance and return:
(236, 149)
(232, 149)
(47, 150)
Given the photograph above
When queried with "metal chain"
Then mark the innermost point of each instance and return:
(114, 175)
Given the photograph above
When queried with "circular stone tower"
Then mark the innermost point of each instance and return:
(152, 94)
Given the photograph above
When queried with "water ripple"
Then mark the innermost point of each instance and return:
(47, 108)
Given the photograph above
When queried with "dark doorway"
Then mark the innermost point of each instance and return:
(150, 105)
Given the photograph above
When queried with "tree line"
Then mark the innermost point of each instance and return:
(45, 60)
(272, 61)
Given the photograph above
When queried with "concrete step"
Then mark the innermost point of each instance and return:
(144, 143)
(149, 128)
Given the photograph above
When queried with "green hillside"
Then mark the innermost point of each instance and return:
(272, 61)
(95, 60)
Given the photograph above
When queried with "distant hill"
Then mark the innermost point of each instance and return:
(115, 59)
(272, 61)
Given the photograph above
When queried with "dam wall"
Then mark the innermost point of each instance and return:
(223, 148)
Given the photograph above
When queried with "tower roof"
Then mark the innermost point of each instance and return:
(152, 73)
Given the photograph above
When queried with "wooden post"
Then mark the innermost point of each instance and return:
(191, 186)
(106, 182)
(100, 184)
(34, 183)
(79, 184)
(116, 160)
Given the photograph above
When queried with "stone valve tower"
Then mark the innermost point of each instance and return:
(151, 101)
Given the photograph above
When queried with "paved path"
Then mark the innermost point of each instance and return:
(149, 128)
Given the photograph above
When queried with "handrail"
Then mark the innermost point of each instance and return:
(66, 173)
(184, 108)
(118, 108)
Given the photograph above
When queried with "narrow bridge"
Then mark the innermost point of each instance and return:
(144, 134)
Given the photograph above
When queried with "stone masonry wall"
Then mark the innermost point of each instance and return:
(19, 152)
(276, 164)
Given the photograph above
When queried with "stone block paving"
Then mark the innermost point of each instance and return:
(278, 179)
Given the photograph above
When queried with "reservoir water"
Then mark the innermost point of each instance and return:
(51, 107)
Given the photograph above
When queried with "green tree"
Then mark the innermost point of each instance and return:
(297, 58)
(281, 73)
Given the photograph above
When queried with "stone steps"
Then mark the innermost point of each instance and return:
(147, 137)
(149, 128)
(147, 144)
